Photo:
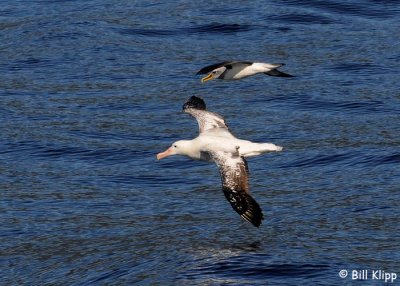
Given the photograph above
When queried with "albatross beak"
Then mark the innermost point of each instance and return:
(206, 78)
(164, 154)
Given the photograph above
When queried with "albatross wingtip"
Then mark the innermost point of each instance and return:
(254, 217)
(194, 102)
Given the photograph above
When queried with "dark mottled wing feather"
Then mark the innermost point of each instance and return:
(235, 185)
(210, 68)
(195, 106)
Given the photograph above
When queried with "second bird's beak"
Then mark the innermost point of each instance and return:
(206, 78)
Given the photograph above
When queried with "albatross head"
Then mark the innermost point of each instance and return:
(181, 147)
(214, 74)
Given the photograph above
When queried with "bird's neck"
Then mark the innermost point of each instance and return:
(188, 148)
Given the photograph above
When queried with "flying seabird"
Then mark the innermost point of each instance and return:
(239, 70)
(216, 143)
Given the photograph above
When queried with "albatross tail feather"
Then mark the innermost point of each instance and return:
(245, 205)
(248, 149)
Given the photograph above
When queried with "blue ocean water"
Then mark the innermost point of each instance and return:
(91, 91)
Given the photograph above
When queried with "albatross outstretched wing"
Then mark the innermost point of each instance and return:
(196, 107)
(229, 65)
(235, 185)
(210, 68)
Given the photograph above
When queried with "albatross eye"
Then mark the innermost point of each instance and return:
(175, 146)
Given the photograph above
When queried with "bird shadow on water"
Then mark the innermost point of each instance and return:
(246, 262)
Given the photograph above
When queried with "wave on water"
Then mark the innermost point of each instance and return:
(363, 9)
(30, 63)
(220, 28)
(304, 102)
(302, 19)
(378, 159)
(148, 32)
(347, 159)
(358, 67)
(248, 268)
(99, 155)
(215, 28)
(320, 160)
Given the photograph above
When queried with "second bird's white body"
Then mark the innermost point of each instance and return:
(239, 71)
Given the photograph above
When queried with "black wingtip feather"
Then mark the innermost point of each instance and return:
(254, 213)
(210, 68)
(194, 102)
(278, 73)
(245, 205)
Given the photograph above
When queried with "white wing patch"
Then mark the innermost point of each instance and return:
(206, 119)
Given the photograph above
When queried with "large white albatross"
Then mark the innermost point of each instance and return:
(216, 143)
(238, 70)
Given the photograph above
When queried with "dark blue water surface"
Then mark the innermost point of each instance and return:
(91, 91)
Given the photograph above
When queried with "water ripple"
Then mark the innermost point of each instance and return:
(363, 9)
(353, 158)
(302, 19)
(41, 150)
(215, 28)
(247, 268)
(220, 28)
(320, 160)
(378, 159)
(334, 104)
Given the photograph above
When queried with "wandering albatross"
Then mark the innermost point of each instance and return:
(238, 70)
(216, 143)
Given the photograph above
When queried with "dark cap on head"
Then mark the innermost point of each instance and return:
(195, 102)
